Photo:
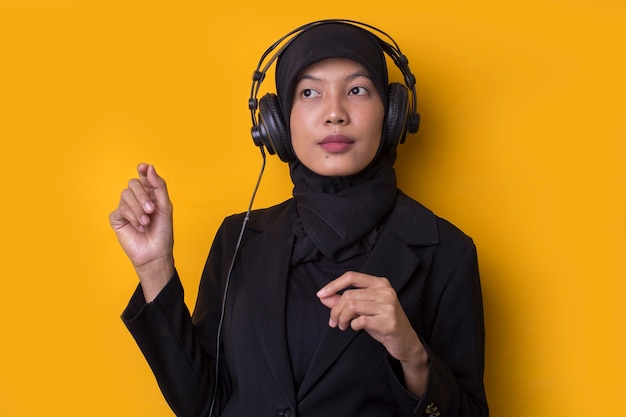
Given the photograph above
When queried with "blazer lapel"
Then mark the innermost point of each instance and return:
(270, 276)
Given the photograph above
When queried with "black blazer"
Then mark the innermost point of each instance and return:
(432, 266)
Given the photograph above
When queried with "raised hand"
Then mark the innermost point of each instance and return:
(143, 225)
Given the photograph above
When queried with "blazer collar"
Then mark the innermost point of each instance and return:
(412, 222)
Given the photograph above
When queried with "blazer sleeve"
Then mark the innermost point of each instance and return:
(181, 356)
(454, 339)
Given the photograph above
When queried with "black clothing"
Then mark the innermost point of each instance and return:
(338, 216)
(433, 268)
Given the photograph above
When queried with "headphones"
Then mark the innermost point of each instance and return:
(269, 129)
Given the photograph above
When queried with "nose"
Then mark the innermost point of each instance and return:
(336, 111)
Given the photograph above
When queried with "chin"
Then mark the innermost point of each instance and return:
(335, 165)
(334, 171)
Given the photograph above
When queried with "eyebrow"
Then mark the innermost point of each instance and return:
(350, 77)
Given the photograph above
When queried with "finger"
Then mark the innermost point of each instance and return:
(117, 220)
(348, 309)
(148, 186)
(347, 280)
(377, 302)
(143, 193)
(330, 301)
(142, 169)
(343, 320)
(131, 207)
(140, 198)
(336, 300)
(375, 325)
(343, 310)
(122, 217)
(360, 323)
(369, 316)
(149, 177)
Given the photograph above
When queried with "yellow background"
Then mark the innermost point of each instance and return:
(522, 146)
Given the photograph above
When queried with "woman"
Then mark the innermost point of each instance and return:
(350, 299)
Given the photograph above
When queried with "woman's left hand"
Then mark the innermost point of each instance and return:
(366, 302)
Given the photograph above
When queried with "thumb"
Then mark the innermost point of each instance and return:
(329, 301)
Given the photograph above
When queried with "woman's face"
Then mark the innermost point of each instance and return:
(336, 118)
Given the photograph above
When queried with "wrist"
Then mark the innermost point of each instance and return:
(416, 369)
(417, 362)
(154, 275)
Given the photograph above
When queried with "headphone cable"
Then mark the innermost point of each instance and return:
(227, 283)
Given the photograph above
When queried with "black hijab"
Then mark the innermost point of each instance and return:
(337, 216)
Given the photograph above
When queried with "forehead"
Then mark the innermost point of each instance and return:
(339, 66)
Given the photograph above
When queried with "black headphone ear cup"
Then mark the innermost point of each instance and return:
(395, 129)
(273, 131)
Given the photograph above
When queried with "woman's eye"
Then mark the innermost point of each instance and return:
(358, 91)
(308, 93)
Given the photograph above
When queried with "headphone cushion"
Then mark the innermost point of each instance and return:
(395, 129)
(275, 135)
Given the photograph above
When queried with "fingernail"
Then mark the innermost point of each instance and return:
(332, 323)
(321, 293)
(144, 220)
(149, 206)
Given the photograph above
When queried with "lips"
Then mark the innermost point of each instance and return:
(336, 143)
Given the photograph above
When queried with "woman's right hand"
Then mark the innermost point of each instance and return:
(143, 225)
